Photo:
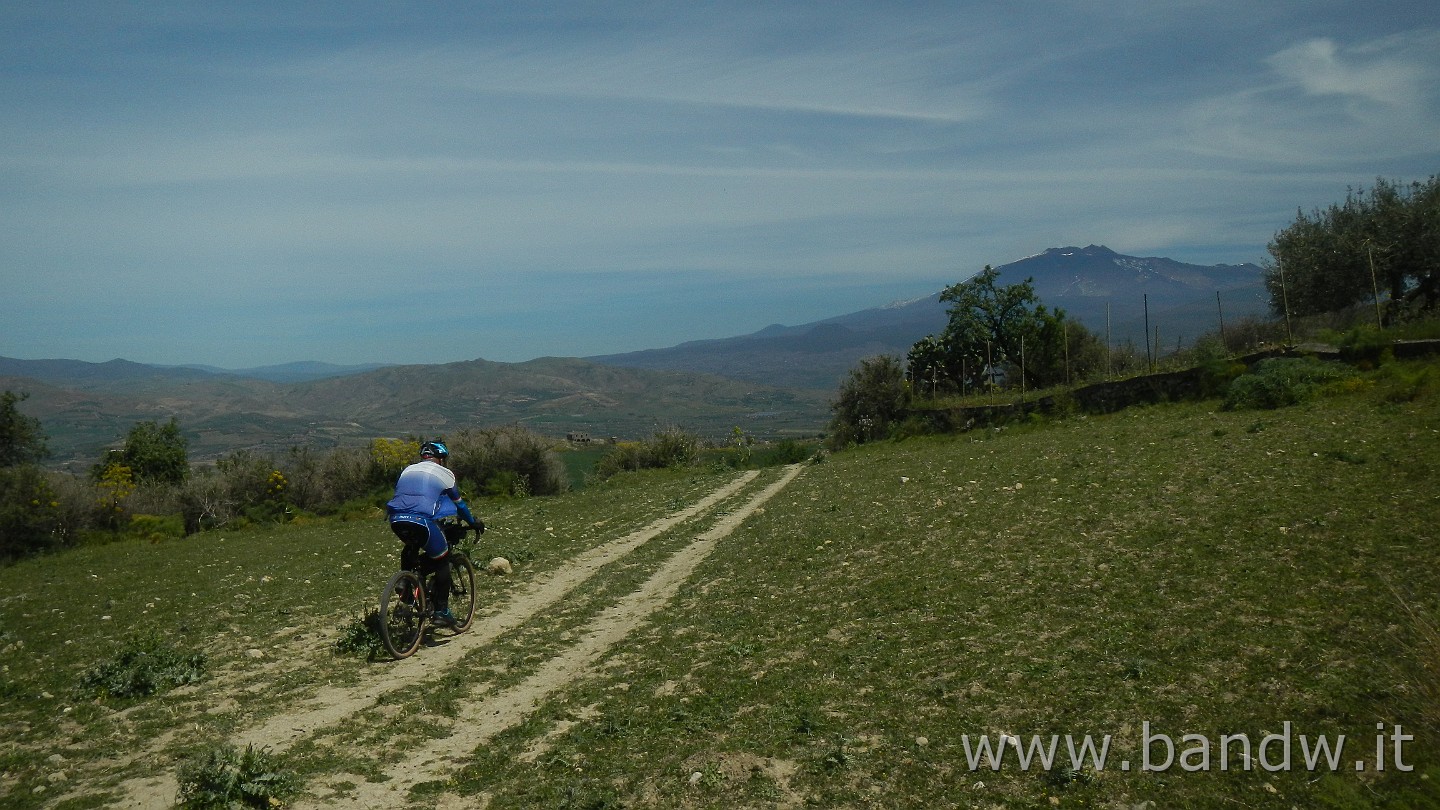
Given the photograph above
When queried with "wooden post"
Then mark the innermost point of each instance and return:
(1149, 358)
(1221, 310)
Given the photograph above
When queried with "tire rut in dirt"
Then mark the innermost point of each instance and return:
(481, 719)
(332, 705)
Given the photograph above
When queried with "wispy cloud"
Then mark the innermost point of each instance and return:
(1324, 104)
(1398, 71)
(784, 161)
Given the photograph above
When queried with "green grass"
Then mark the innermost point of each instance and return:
(1204, 571)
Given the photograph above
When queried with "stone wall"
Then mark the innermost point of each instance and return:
(1115, 395)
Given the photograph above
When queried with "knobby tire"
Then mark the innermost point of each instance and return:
(402, 614)
(462, 591)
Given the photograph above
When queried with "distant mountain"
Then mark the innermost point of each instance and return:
(116, 371)
(77, 372)
(814, 356)
(301, 371)
(86, 407)
(1097, 286)
(1094, 285)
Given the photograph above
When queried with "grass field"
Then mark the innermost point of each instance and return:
(1165, 571)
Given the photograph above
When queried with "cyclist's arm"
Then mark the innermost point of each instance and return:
(461, 507)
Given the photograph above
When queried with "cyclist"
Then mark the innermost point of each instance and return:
(424, 493)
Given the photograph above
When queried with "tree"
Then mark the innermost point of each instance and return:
(872, 399)
(152, 452)
(1380, 243)
(21, 439)
(29, 516)
(993, 326)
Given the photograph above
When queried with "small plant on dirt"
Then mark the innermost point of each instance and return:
(1064, 777)
(837, 757)
(226, 777)
(146, 665)
(361, 636)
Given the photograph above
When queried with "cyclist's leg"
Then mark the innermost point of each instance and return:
(436, 550)
(414, 534)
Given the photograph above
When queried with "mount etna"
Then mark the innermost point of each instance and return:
(1104, 290)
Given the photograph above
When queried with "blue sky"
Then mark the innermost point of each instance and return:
(244, 184)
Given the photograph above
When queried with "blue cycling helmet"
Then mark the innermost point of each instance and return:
(434, 450)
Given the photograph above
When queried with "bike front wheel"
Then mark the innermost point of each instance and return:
(462, 591)
(402, 614)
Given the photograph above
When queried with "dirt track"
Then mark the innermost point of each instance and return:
(485, 715)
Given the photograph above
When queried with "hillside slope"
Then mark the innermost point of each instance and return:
(841, 634)
(85, 407)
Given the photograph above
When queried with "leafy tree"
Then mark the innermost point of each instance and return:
(152, 452)
(1381, 241)
(993, 326)
(871, 400)
(389, 456)
(21, 439)
(113, 488)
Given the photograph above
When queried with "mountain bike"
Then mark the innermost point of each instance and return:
(406, 604)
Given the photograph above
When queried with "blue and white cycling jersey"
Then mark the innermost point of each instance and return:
(426, 489)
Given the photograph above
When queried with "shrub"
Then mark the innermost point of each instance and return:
(871, 399)
(1282, 381)
(113, 487)
(671, 447)
(146, 665)
(1399, 383)
(156, 528)
(205, 503)
(509, 461)
(246, 477)
(361, 636)
(785, 451)
(389, 456)
(225, 777)
(623, 456)
(30, 515)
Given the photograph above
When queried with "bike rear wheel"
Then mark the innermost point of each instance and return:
(462, 591)
(402, 614)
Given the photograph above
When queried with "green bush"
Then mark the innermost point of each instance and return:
(508, 461)
(226, 777)
(872, 398)
(785, 451)
(621, 457)
(30, 515)
(156, 527)
(1283, 381)
(671, 447)
(145, 665)
(1399, 383)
